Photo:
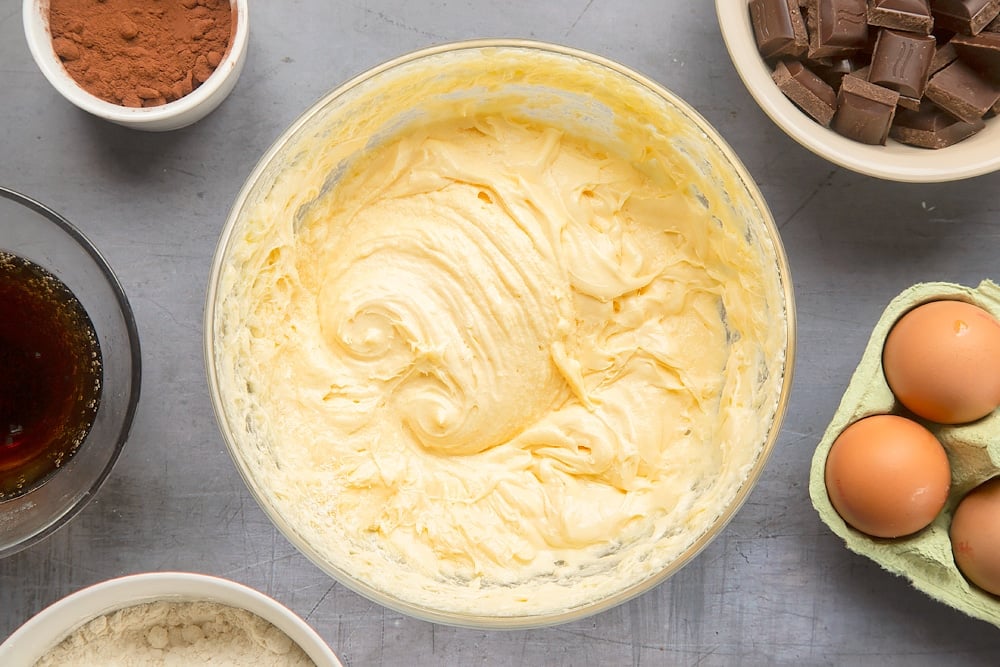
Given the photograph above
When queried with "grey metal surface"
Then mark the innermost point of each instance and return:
(776, 587)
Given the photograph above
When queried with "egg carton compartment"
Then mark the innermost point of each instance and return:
(973, 449)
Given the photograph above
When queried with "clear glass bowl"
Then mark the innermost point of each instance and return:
(36, 233)
(586, 96)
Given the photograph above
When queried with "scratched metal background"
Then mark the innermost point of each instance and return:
(776, 588)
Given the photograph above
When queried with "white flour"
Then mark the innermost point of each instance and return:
(175, 634)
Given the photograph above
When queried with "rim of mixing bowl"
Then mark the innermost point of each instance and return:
(135, 352)
(637, 588)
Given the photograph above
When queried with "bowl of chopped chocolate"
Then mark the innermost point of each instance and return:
(904, 90)
(145, 65)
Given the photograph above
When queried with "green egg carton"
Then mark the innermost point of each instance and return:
(924, 558)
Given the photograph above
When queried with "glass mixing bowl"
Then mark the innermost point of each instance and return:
(584, 96)
(34, 232)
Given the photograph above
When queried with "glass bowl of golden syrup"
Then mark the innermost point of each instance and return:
(69, 349)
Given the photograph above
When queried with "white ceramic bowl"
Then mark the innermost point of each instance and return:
(895, 161)
(584, 95)
(54, 623)
(171, 116)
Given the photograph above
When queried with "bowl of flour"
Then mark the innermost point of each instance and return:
(166, 618)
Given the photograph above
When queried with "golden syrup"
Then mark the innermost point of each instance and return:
(50, 375)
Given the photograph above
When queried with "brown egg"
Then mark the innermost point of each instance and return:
(887, 476)
(942, 361)
(975, 536)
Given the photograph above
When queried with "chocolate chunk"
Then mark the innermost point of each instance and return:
(981, 51)
(968, 17)
(809, 92)
(836, 69)
(902, 62)
(837, 27)
(778, 28)
(861, 72)
(993, 26)
(959, 89)
(816, 63)
(944, 55)
(931, 127)
(864, 111)
(908, 15)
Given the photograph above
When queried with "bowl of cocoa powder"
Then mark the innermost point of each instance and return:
(139, 63)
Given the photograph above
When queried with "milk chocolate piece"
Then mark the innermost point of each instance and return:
(982, 52)
(837, 68)
(816, 63)
(959, 89)
(809, 92)
(837, 27)
(944, 55)
(902, 62)
(908, 15)
(993, 26)
(968, 17)
(778, 27)
(862, 72)
(864, 111)
(931, 127)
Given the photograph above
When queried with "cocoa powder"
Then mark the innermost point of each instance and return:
(140, 53)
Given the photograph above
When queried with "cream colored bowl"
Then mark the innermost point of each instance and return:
(582, 95)
(895, 161)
